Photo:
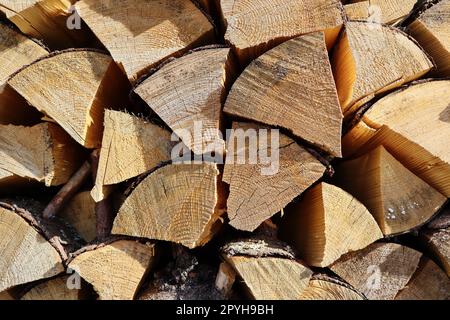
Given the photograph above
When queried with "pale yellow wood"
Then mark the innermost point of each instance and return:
(379, 271)
(178, 203)
(254, 196)
(26, 256)
(438, 244)
(326, 223)
(421, 146)
(130, 147)
(292, 86)
(398, 200)
(379, 11)
(145, 31)
(115, 270)
(272, 278)
(80, 213)
(44, 153)
(188, 94)
(327, 290)
(54, 289)
(372, 58)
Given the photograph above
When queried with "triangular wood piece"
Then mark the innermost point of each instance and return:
(130, 147)
(292, 86)
(256, 195)
(326, 288)
(327, 223)
(253, 27)
(399, 200)
(379, 11)
(145, 32)
(115, 270)
(26, 255)
(55, 289)
(370, 59)
(392, 122)
(438, 245)
(80, 213)
(92, 82)
(379, 271)
(179, 203)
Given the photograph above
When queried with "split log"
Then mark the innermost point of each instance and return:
(431, 30)
(398, 200)
(327, 288)
(182, 203)
(428, 283)
(253, 27)
(292, 87)
(145, 32)
(114, 269)
(44, 153)
(392, 122)
(379, 271)
(55, 289)
(438, 244)
(92, 82)
(260, 190)
(80, 213)
(130, 147)
(187, 94)
(370, 59)
(327, 223)
(379, 11)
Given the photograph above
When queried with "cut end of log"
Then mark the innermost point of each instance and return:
(325, 288)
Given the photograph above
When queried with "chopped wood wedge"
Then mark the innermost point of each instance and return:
(116, 269)
(26, 255)
(379, 271)
(80, 213)
(428, 283)
(438, 245)
(145, 32)
(187, 94)
(421, 147)
(130, 147)
(44, 153)
(292, 87)
(431, 29)
(55, 289)
(370, 59)
(379, 11)
(180, 203)
(254, 195)
(253, 27)
(92, 82)
(327, 223)
(399, 200)
(327, 288)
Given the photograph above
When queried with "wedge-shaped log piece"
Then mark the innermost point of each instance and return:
(130, 147)
(59, 288)
(145, 32)
(327, 223)
(429, 282)
(399, 200)
(92, 81)
(260, 190)
(80, 213)
(321, 288)
(292, 86)
(179, 203)
(253, 27)
(380, 11)
(421, 146)
(26, 255)
(432, 30)
(372, 58)
(379, 271)
(187, 94)
(438, 245)
(115, 270)
(44, 153)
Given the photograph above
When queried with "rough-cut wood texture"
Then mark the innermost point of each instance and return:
(379, 271)
(438, 245)
(379, 11)
(327, 223)
(399, 200)
(254, 26)
(54, 289)
(421, 146)
(187, 94)
(145, 32)
(292, 87)
(130, 147)
(91, 82)
(44, 153)
(322, 288)
(370, 59)
(80, 213)
(256, 195)
(180, 203)
(115, 270)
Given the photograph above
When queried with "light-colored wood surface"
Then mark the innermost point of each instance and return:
(379, 11)
(327, 290)
(80, 213)
(53, 289)
(438, 244)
